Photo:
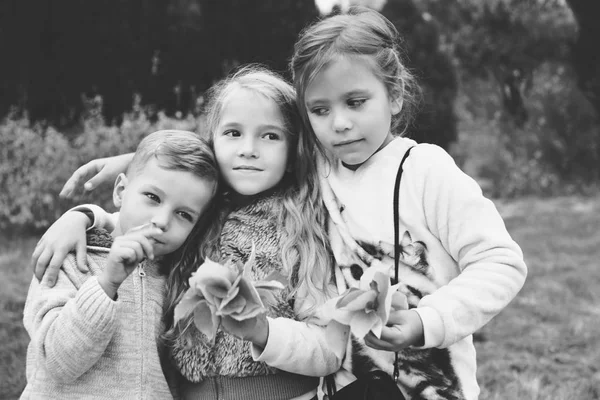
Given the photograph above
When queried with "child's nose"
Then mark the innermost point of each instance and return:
(248, 148)
(341, 122)
(161, 219)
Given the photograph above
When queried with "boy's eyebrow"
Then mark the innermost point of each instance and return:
(155, 188)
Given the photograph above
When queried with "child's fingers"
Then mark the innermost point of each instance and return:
(395, 317)
(51, 274)
(127, 255)
(142, 239)
(399, 301)
(81, 256)
(147, 248)
(42, 263)
(378, 344)
(133, 244)
(35, 258)
(149, 230)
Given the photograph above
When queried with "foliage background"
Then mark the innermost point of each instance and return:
(511, 89)
(509, 86)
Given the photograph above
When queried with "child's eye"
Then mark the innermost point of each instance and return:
(320, 111)
(356, 102)
(152, 197)
(185, 216)
(232, 133)
(272, 136)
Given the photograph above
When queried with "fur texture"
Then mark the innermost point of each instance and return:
(256, 224)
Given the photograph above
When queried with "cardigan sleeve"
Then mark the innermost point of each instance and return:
(301, 347)
(70, 324)
(491, 265)
(101, 218)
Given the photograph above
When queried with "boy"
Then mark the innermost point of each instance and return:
(95, 334)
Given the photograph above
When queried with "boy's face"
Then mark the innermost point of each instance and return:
(172, 200)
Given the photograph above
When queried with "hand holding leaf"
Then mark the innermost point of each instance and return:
(364, 309)
(218, 290)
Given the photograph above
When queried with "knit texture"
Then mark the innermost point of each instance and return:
(84, 344)
(458, 268)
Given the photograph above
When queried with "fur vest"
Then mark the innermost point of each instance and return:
(195, 357)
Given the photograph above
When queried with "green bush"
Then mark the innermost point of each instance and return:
(35, 164)
(33, 167)
(557, 150)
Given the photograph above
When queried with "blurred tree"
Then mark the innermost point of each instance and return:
(163, 52)
(436, 120)
(507, 39)
(58, 51)
(586, 52)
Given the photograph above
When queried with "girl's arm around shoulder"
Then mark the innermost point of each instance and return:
(70, 324)
(491, 269)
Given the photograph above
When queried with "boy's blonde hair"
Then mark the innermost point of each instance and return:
(176, 150)
(364, 33)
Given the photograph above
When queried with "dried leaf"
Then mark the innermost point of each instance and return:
(188, 302)
(337, 335)
(206, 320)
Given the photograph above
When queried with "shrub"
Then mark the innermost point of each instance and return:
(33, 167)
(35, 164)
(557, 151)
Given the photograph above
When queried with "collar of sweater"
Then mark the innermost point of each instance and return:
(98, 237)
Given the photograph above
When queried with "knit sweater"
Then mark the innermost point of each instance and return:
(459, 266)
(84, 345)
(298, 347)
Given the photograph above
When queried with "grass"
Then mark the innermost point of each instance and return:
(544, 345)
(16, 275)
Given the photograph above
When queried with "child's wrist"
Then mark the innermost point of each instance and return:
(110, 288)
(84, 215)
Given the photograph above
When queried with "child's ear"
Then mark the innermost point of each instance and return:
(396, 105)
(120, 185)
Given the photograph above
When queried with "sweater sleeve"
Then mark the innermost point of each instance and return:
(70, 328)
(491, 265)
(300, 347)
(102, 219)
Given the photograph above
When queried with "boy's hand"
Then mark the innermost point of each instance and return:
(255, 330)
(65, 235)
(404, 329)
(100, 170)
(125, 254)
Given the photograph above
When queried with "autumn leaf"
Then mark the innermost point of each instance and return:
(218, 290)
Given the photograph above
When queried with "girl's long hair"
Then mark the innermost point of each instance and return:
(305, 252)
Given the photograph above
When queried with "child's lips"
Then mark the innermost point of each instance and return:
(156, 241)
(346, 142)
(247, 168)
